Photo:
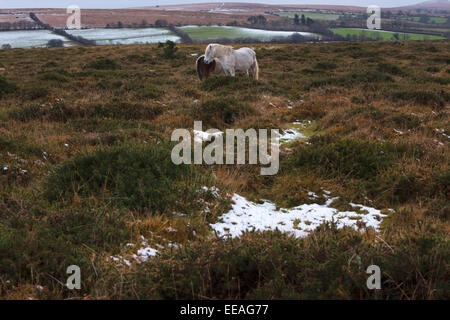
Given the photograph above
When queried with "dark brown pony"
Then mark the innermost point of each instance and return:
(204, 70)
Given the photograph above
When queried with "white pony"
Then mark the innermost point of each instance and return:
(232, 61)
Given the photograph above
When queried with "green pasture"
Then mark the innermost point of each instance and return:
(312, 15)
(384, 35)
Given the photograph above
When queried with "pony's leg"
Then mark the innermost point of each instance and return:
(226, 70)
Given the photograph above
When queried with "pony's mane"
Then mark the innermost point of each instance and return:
(205, 69)
(200, 62)
(224, 48)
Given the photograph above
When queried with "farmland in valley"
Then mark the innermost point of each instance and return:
(383, 35)
(104, 36)
(28, 39)
(308, 14)
(215, 32)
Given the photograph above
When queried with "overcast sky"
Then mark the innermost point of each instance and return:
(136, 3)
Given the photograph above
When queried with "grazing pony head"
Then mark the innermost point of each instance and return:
(205, 69)
(215, 50)
(209, 53)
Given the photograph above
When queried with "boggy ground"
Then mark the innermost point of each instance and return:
(86, 176)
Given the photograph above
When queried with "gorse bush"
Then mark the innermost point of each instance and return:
(63, 240)
(35, 91)
(390, 68)
(228, 84)
(6, 87)
(329, 264)
(141, 178)
(169, 50)
(350, 79)
(103, 64)
(143, 89)
(412, 185)
(346, 157)
(59, 111)
(19, 145)
(420, 97)
(407, 121)
(54, 76)
(325, 65)
(52, 112)
(121, 110)
(220, 112)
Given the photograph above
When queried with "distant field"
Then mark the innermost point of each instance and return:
(215, 32)
(29, 39)
(104, 36)
(312, 15)
(384, 35)
(430, 19)
(435, 29)
(438, 19)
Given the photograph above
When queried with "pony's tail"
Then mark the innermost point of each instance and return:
(256, 70)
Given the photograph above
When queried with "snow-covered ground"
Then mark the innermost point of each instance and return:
(288, 135)
(285, 135)
(247, 215)
(29, 38)
(201, 136)
(104, 36)
(143, 250)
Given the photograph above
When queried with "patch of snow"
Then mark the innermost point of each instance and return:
(247, 215)
(442, 131)
(303, 123)
(200, 136)
(144, 253)
(214, 190)
(120, 261)
(289, 135)
(312, 195)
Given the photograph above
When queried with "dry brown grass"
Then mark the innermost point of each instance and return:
(104, 108)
